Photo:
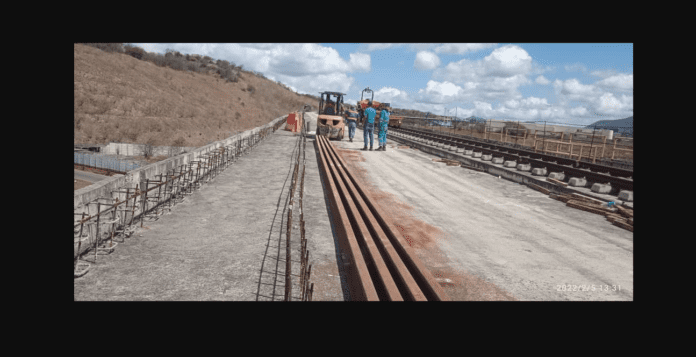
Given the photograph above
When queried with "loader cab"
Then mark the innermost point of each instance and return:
(330, 121)
(331, 103)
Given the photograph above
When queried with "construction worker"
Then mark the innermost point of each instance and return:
(329, 108)
(351, 118)
(383, 125)
(369, 127)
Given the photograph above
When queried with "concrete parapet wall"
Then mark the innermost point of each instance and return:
(103, 188)
(136, 149)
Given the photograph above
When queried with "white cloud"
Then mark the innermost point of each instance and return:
(396, 97)
(360, 62)
(620, 82)
(534, 102)
(512, 104)
(440, 92)
(579, 112)
(461, 48)
(462, 70)
(596, 100)
(508, 61)
(313, 84)
(426, 61)
(542, 80)
(573, 87)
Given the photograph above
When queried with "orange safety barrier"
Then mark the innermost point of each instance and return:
(294, 122)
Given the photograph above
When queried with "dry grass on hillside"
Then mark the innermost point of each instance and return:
(119, 98)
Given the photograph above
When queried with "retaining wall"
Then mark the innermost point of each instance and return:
(103, 188)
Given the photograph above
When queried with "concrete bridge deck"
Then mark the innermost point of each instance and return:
(224, 241)
(485, 238)
(493, 239)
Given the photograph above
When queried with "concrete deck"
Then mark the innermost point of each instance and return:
(88, 176)
(492, 239)
(223, 242)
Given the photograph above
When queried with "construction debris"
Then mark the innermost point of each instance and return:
(561, 183)
(538, 188)
(628, 213)
(623, 225)
(449, 162)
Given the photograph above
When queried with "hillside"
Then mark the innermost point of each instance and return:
(620, 123)
(120, 98)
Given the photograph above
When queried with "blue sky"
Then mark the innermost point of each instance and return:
(575, 83)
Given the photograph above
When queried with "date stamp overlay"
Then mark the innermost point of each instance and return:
(588, 287)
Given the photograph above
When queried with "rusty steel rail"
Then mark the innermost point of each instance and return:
(382, 266)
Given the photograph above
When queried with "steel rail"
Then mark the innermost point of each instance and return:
(359, 281)
(394, 268)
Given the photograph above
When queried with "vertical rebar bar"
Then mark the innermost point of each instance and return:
(517, 132)
(144, 201)
(594, 129)
(79, 242)
(543, 145)
(96, 240)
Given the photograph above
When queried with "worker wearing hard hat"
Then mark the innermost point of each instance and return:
(369, 127)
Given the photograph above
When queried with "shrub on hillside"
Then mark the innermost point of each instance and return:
(174, 62)
(192, 66)
(107, 47)
(134, 51)
(222, 63)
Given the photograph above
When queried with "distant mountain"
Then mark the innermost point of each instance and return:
(622, 126)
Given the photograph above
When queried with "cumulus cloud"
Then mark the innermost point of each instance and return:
(461, 48)
(440, 92)
(542, 80)
(596, 100)
(360, 62)
(426, 61)
(508, 61)
(574, 89)
(460, 71)
(392, 95)
(579, 112)
(620, 82)
(314, 84)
